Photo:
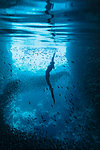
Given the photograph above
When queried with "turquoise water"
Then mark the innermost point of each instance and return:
(30, 33)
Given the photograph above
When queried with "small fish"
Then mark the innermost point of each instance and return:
(70, 100)
(66, 121)
(71, 111)
(57, 86)
(58, 112)
(75, 117)
(72, 61)
(44, 120)
(64, 66)
(67, 88)
(79, 125)
(9, 64)
(46, 88)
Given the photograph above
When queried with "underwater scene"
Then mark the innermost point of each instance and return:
(49, 74)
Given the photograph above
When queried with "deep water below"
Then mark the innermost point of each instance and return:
(30, 33)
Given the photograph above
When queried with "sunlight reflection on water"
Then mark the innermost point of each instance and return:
(34, 59)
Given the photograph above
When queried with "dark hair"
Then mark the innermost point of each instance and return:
(52, 62)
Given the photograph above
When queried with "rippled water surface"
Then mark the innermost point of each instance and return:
(30, 33)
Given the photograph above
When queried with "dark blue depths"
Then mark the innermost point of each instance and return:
(30, 33)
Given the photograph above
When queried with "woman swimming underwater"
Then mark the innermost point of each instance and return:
(50, 67)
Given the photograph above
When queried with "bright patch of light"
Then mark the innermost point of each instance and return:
(35, 59)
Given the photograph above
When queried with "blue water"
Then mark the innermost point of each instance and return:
(30, 33)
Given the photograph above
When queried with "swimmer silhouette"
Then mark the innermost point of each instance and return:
(50, 67)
